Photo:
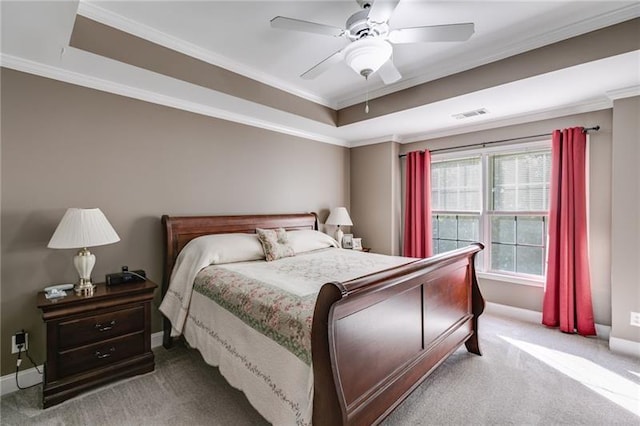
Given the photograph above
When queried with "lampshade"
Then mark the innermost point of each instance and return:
(366, 56)
(339, 217)
(81, 228)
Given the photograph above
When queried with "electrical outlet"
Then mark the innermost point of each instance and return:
(20, 338)
(635, 319)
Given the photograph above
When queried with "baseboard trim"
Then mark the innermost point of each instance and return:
(156, 339)
(26, 378)
(516, 313)
(31, 376)
(626, 347)
(602, 331)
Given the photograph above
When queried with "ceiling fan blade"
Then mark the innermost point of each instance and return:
(323, 66)
(452, 32)
(305, 26)
(389, 73)
(381, 10)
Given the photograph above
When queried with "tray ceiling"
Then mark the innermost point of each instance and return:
(237, 36)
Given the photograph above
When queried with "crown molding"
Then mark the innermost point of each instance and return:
(626, 92)
(579, 108)
(374, 141)
(106, 17)
(487, 55)
(62, 74)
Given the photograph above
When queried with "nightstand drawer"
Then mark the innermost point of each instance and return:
(100, 354)
(100, 327)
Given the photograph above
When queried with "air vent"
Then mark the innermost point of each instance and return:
(468, 114)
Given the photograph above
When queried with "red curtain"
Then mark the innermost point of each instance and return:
(567, 296)
(417, 216)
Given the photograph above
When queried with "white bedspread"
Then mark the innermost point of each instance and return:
(305, 273)
(278, 383)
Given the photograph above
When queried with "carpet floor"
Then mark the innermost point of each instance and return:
(528, 375)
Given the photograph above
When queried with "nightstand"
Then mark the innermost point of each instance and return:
(92, 340)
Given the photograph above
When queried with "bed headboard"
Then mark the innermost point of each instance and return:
(179, 230)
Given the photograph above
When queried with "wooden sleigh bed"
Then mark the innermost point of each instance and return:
(373, 339)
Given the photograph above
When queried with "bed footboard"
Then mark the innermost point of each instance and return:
(376, 338)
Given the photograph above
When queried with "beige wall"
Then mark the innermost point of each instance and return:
(625, 235)
(368, 162)
(67, 146)
(375, 197)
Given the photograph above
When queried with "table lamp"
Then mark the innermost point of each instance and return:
(339, 217)
(79, 229)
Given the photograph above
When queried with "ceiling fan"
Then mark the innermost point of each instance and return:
(371, 37)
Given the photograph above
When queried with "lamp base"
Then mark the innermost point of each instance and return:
(84, 262)
(338, 236)
(84, 288)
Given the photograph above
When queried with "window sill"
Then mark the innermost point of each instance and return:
(535, 282)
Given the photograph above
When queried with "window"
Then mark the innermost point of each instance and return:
(454, 231)
(456, 198)
(519, 201)
(499, 198)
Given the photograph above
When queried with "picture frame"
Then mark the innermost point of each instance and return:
(347, 241)
(357, 244)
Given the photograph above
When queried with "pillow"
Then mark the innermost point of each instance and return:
(275, 243)
(225, 248)
(307, 240)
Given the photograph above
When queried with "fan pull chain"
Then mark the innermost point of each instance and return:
(366, 99)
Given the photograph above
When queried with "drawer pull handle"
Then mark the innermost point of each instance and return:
(106, 327)
(100, 355)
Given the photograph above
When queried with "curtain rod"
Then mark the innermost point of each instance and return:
(483, 144)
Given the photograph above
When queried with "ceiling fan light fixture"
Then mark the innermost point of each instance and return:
(366, 56)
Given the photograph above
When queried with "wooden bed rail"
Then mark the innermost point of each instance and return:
(424, 310)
